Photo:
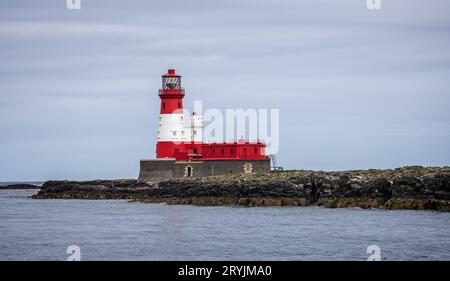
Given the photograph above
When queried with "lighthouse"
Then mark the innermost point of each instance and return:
(180, 150)
(171, 132)
(175, 136)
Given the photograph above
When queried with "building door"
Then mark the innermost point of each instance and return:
(189, 171)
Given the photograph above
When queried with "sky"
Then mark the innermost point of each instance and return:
(355, 88)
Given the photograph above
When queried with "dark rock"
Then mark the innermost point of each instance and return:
(377, 188)
(408, 187)
(437, 181)
(20, 186)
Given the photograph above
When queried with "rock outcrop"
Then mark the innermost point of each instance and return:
(96, 189)
(418, 188)
(20, 186)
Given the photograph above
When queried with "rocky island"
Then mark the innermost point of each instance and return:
(20, 186)
(413, 188)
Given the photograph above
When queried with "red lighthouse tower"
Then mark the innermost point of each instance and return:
(171, 131)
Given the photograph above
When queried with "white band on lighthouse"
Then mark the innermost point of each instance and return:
(171, 128)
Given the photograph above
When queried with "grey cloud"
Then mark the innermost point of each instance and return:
(355, 88)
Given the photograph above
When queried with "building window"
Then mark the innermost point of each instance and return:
(214, 151)
(223, 150)
(231, 150)
(174, 133)
(164, 105)
(248, 168)
(179, 105)
(256, 150)
(195, 132)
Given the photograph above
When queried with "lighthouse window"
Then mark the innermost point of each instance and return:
(223, 150)
(171, 82)
(231, 150)
(164, 105)
(256, 150)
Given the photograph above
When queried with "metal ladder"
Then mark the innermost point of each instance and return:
(274, 166)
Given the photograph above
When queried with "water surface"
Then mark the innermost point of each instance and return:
(117, 230)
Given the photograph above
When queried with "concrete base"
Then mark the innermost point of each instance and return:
(165, 169)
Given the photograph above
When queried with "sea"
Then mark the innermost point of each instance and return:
(33, 229)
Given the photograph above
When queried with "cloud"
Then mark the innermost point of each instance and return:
(355, 88)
